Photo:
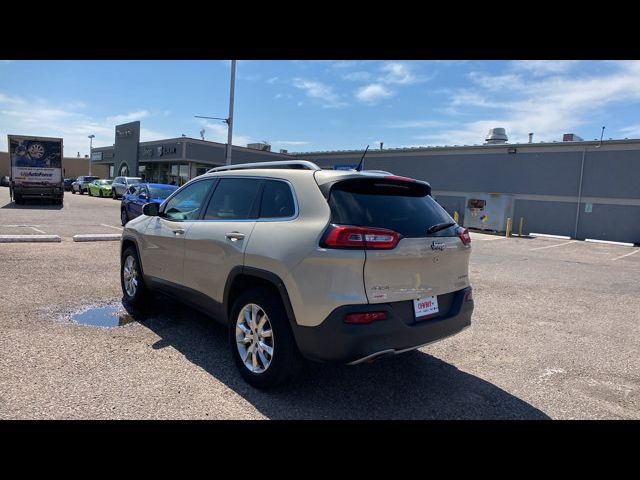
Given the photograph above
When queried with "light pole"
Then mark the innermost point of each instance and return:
(91, 137)
(230, 122)
(229, 119)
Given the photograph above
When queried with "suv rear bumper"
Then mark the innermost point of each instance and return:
(336, 341)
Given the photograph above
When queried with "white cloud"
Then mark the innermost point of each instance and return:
(273, 80)
(357, 76)
(217, 132)
(128, 117)
(632, 131)
(343, 64)
(418, 124)
(544, 67)
(373, 93)
(43, 118)
(319, 91)
(400, 73)
(548, 106)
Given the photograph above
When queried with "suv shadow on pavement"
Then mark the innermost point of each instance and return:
(413, 385)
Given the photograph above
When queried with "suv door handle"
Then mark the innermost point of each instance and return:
(234, 236)
(179, 231)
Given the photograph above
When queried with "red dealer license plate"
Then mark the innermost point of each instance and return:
(425, 306)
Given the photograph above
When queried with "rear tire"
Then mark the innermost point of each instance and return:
(285, 361)
(124, 216)
(133, 288)
(100, 193)
(114, 195)
(89, 192)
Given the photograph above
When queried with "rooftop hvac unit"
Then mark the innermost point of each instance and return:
(265, 147)
(571, 137)
(496, 136)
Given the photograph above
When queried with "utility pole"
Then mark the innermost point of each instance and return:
(230, 120)
(91, 137)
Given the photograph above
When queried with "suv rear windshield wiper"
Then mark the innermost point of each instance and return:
(439, 226)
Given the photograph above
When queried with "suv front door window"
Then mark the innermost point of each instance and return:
(166, 233)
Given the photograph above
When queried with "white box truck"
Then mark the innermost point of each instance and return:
(36, 168)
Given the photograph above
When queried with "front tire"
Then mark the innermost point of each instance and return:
(124, 217)
(100, 193)
(131, 281)
(114, 195)
(262, 344)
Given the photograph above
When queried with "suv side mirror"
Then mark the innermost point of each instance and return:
(151, 209)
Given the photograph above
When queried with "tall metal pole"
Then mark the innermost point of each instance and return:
(230, 119)
(91, 137)
(575, 230)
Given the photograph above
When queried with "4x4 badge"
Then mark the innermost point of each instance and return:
(438, 245)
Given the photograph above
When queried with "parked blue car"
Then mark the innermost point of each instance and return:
(141, 193)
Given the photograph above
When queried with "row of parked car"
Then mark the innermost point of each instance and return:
(133, 191)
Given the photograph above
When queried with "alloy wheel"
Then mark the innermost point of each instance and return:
(130, 276)
(254, 338)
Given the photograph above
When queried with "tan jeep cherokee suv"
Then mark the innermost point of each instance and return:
(303, 263)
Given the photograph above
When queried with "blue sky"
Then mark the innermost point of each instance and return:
(321, 104)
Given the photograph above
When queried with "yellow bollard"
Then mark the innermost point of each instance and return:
(520, 226)
(508, 231)
(455, 216)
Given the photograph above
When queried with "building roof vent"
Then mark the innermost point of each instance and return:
(496, 136)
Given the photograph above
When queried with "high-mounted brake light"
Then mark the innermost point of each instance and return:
(364, 318)
(339, 236)
(463, 233)
(404, 179)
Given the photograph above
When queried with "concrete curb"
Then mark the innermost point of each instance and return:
(96, 237)
(561, 237)
(29, 238)
(609, 242)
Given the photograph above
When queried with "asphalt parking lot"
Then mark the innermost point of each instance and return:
(554, 335)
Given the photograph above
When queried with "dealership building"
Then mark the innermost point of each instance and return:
(173, 160)
(581, 189)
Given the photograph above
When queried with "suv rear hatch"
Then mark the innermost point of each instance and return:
(404, 259)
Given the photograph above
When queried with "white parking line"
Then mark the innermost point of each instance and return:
(111, 226)
(37, 230)
(552, 246)
(627, 254)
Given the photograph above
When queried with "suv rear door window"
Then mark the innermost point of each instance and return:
(277, 200)
(233, 199)
(404, 207)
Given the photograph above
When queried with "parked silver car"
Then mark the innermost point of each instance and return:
(81, 185)
(120, 185)
(300, 262)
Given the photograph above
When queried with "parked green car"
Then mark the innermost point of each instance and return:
(100, 188)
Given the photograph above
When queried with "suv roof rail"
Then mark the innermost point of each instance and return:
(286, 164)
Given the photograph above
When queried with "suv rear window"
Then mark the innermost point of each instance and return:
(404, 207)
(277, 201)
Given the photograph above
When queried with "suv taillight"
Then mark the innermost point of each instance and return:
(340, 236)
(463, 233)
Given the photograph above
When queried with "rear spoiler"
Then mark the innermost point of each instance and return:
(358, 177)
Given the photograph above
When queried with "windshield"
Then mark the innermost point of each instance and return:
(104, 182)
(160, 192)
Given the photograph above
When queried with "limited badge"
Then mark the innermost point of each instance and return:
(438, 245)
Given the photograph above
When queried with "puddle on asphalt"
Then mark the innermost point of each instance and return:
(112, 316)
